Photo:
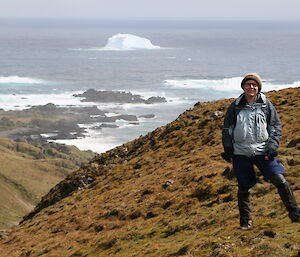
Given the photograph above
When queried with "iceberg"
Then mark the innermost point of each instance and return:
(125, 42)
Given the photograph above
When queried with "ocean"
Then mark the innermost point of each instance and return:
(183, 61)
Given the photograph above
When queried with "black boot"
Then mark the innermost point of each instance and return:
(286, 196)
(289, 201)
(244, 207)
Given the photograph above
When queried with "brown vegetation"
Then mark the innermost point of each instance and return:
(166, 194)
(28, 171)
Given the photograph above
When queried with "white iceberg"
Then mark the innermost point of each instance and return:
(125, 42)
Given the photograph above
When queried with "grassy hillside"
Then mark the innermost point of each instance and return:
(166, 194)
(28, 171)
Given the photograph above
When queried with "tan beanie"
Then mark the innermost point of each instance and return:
(253, 76)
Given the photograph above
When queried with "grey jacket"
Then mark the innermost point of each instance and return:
(251, 129)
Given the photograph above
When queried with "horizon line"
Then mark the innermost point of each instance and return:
(161, 19)
(141, 22)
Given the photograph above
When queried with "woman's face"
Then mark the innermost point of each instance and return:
(251, 88)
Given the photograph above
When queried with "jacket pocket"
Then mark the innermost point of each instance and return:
(240, 133)
(261, 126)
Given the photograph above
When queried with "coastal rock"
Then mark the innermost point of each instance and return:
(126, 117)
(91, 95)
(50, 107)
(155, 99)
(147, 116)
(51, 122)
(92, 110)
(103, 125)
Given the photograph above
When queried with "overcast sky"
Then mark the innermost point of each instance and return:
(157, 9)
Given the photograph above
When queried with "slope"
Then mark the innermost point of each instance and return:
(165, 194)
(28, 171)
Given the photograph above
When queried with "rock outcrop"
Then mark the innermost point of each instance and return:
(92, 95)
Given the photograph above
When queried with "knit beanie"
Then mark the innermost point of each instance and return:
(253, 76)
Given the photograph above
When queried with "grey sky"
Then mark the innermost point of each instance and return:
(187, 9)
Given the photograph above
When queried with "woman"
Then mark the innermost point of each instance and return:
(250, 136)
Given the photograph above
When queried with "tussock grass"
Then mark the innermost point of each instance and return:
(166, 194)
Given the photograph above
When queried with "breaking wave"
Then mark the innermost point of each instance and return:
(227, 84)
(21, 80)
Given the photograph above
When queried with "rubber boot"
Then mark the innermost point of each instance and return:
(286, 196)
(289, 201)
(244, 207)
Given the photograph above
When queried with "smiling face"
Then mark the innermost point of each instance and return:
(251, 89)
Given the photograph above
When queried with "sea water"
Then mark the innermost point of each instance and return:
(185, 62)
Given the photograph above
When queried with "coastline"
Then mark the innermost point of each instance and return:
(120, 119)
(113, 120)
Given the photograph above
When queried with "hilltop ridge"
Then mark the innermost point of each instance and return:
(165, 194)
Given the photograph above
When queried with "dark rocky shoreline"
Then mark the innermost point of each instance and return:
(92, 95)
(51, 122)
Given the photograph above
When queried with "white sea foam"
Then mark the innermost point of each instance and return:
(25, 101)
(49, 135)
(125, 42)
(95, 143)
(21, 80)
(227, 84)
(112, 114)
